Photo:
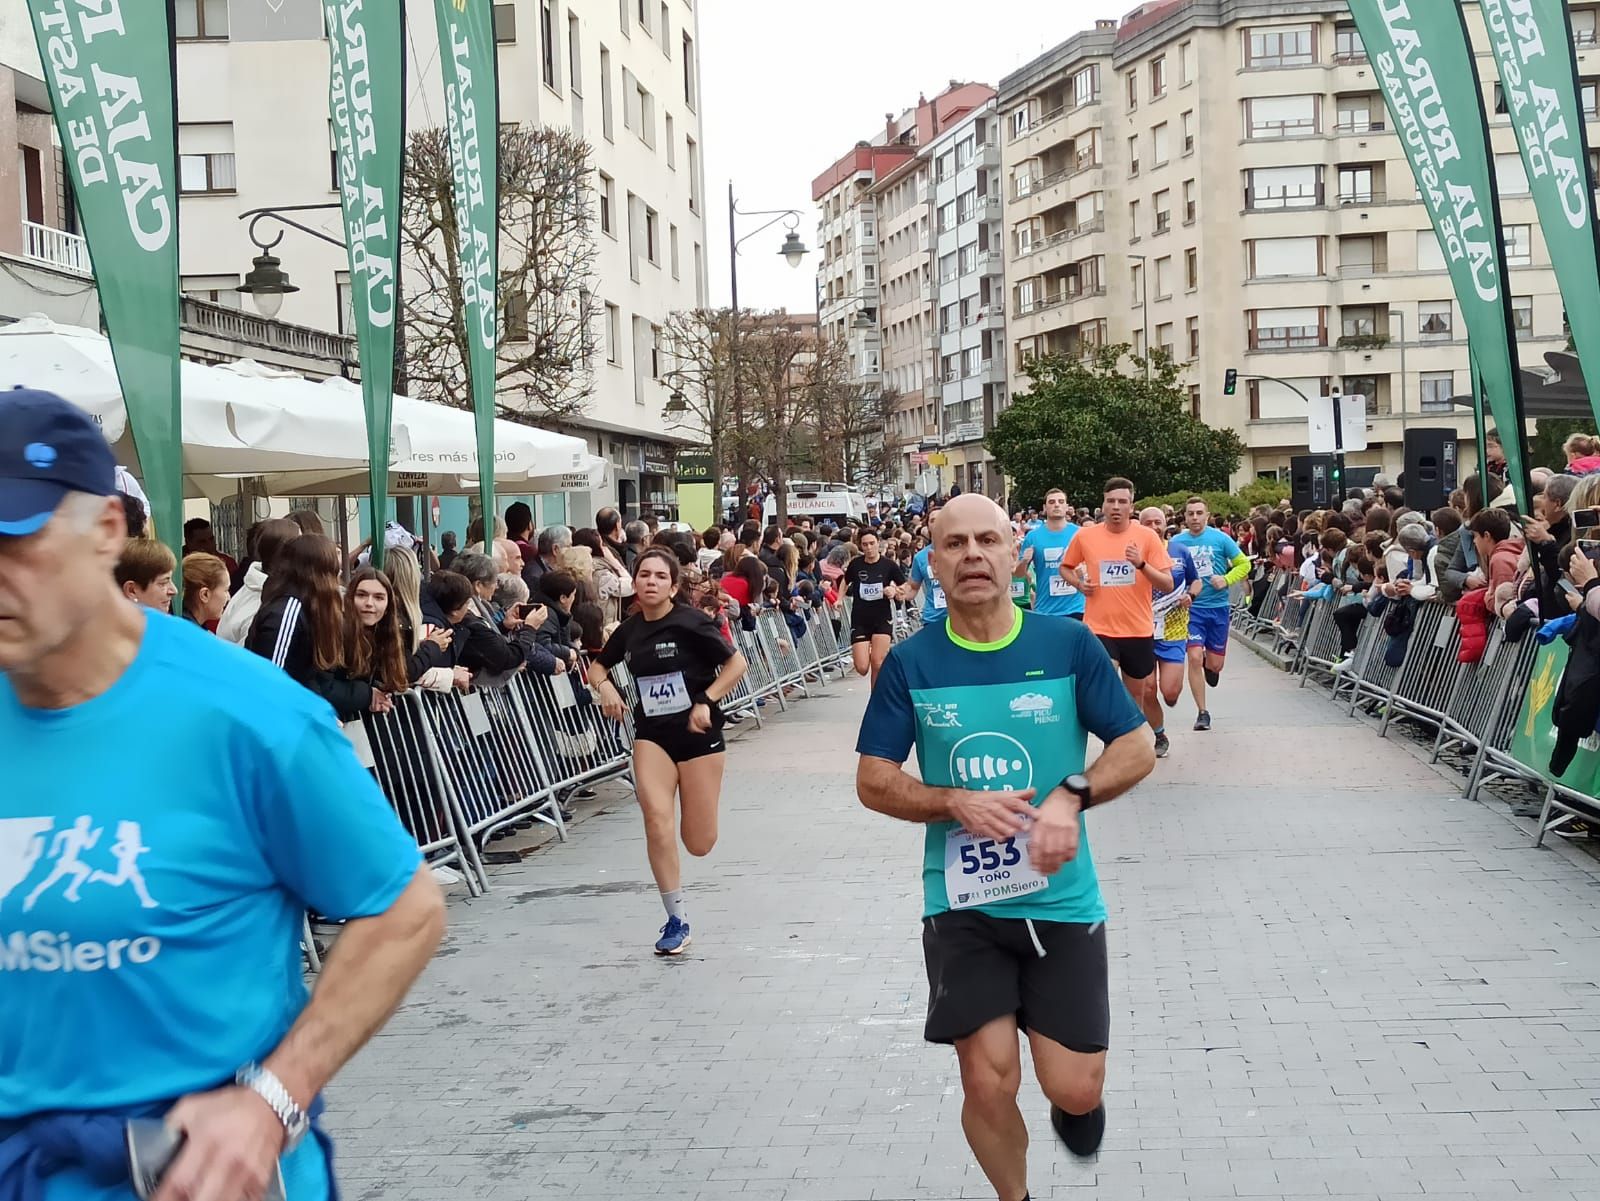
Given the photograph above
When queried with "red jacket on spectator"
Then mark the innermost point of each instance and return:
(1502, 568)
(1472, 613)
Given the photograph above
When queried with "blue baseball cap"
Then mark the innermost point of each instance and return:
(48, 448)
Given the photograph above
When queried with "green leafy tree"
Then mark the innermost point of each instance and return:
(1544, 447)
(1083, 421)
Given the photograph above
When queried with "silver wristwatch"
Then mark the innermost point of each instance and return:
(270, 1089)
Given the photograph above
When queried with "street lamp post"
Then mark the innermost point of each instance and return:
(793, 251)
(1144, 307)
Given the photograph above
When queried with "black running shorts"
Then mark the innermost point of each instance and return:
(1136, 656)
(982, 967)
(866, 630)
(679, 742)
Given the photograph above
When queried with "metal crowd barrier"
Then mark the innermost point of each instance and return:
(1468, 710)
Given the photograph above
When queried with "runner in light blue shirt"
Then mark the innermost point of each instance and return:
(1220, 564)
(1044, 545)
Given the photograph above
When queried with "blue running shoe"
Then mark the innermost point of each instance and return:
(674, 937)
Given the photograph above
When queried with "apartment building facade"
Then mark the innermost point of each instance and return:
(1217, 178)
(252, 98)
(875, 280)
(969, 295)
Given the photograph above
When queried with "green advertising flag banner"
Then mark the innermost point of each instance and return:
(1534, 736)
(472, 107)
(1423, 59)
(1539, 78)
(366, 99)
(110, 79)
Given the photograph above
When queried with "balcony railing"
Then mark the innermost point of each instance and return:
(56, 247)
(1284, 198)
(1360, 125)
(1363, 270)
(1283, 129)
(1287, 337)
(236, 325)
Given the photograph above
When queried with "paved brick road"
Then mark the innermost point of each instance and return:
(1330, 978)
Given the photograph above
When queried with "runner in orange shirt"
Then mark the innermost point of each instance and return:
(1118, 566)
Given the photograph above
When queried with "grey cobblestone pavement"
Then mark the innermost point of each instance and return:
(1331, 977)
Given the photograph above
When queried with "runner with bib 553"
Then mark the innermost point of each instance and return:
(999, 704)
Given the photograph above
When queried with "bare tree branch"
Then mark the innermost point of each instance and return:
(546, 290)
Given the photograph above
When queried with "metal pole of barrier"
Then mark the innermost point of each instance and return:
(444, 787)
(308, 940)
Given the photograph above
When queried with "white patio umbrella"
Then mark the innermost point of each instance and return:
(236, 422)
(440, 454)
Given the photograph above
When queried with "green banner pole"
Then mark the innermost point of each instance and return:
(472, 106)
(1423, 59)
(1478, 428)
(110, 73)
(366, 99)
(1533, 48)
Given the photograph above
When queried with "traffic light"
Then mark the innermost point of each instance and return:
(1230, 382)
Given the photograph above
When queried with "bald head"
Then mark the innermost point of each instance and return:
(1154, 518)
(974, 552)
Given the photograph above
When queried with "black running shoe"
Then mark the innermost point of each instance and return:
(1080, 1133)
(1213, 677)
(1162, 746)
(1203, 721)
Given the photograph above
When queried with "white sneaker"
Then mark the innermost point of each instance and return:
(1344, 663)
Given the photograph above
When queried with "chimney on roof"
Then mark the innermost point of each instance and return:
(1105, 25)
(891, 127)
(954, 84)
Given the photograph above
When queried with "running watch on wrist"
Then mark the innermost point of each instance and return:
(270, 1089)
(700, 698)
(1078, 785)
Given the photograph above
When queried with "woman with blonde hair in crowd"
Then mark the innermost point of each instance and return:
(427, 648)
(205, 589)
(1583, 453)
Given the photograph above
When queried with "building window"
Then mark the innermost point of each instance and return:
(1363, 385)
(1133, 154)
(1347, 47)
(1511, 177)
(345, 302)
(1287, 329)
(1133, 220)
(1522, 316)
(1191, 269)
(1589, 98)
(200, 19)
(947, 216)
(1188, 202)
(505, 24)
(1164, 278)
(606, 126)
(574, 56)
(652, 236)
(643, 14)
(622, 18)
(515, 318)
(1358, 321)
(968, 259)
(967, 205)
(1361, 113)
(218, 289)
(1192, 328)
(689, 69)
(1086, 86)
(1019, 122)
(1159, 148)
(1584, 26)
(613, 332)
(1158, 77)
(1280, 46)
(1435, 321)
(1283, 188)
(944, 166)
(1280, 116)
(548, 49)
(1194, 398)
(665, 30)
(1185, 63)
(947, 267)
(1161, 202)
(1519, 245)
(1188, 131)
(205, 158)
(608, 203)
(693, 148)
(646, 113)
(1437, 388)
(1132, 82)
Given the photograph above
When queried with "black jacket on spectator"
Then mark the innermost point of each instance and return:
(776, 569)
(1552, 604)
(282, 632)
(558, 637)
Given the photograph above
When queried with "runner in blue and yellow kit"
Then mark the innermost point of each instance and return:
(1221, 564)
(999, 704)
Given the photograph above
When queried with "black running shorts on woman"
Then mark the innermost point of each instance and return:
(672, 661)
(1051, 975)
(871, 612)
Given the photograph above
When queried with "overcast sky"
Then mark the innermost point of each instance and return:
(789, 88)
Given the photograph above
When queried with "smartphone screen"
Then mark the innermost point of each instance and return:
(1586, 519)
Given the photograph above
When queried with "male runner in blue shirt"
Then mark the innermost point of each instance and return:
(1044, 545)
(1221, 564)
(923, 582)
(999, 704)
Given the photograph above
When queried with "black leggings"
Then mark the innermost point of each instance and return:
(1348, 618)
